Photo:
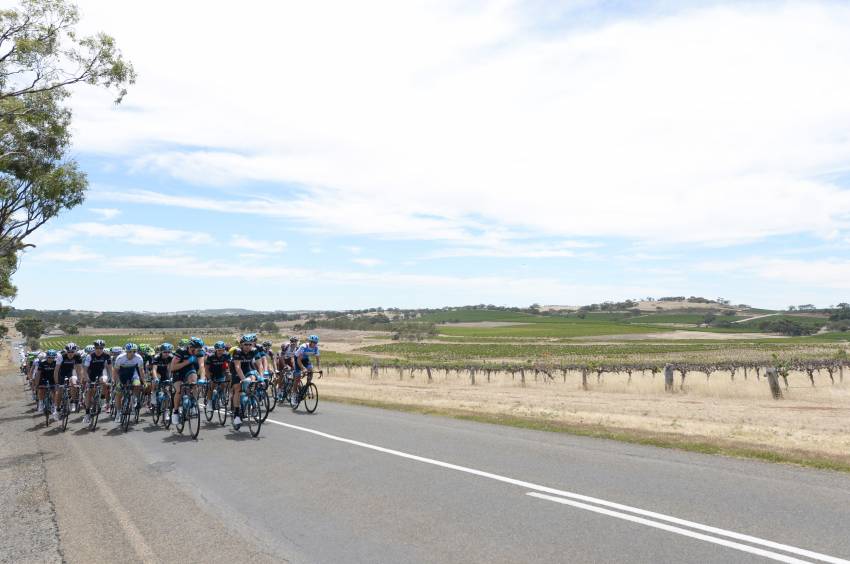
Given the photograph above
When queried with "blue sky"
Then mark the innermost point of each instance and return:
(411, 154)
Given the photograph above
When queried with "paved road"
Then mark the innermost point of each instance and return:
(354, 484)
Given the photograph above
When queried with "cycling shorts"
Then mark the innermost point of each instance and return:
(131, 379)
(181, 376)
(307, 368)
(45, 379)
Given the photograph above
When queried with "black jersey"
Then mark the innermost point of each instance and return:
(183, 355)
(217, 365)
(247, 360)
(46, 366)
(66, 368)
(97, 364)
(160, 362)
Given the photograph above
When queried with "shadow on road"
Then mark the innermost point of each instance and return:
(240, 436)
(18, 417)
(178, 439)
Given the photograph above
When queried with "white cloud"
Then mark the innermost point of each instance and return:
(363, 261)
(712, 125)
(134, 234)
(814, 273)
(258, 245)
(73, 253)
(105, 213)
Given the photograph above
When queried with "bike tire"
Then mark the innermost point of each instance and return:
(95, 413)
(295, 396)
(194, 415)
(311, 398)
(253, 416)
(210, 405)
(222, 409)
(263, 402)
(272, 394)
(125, 413)
(156, 411)
(167, 410)
(137, 411)
(66, 414)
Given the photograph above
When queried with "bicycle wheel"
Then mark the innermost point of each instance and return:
(295, 395)
(194, 419)
(156, 409)
(48, 407)
(311, 398)
(137, 410)
(253, 416)
(223, 405)
(167, 410)
(272, 393)
(65, 413)
(125, 412)
(95, 412)
(263, 402)
(210, 405)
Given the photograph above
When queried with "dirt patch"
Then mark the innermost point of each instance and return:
(683, 336)
(739, 412)
(484, 324)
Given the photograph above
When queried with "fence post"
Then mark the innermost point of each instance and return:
(428, 370)
(584, 379)
(668, 378)
(774, 383)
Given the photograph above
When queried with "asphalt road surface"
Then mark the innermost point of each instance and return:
(355, 484)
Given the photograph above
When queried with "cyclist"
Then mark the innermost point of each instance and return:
(303, 359)
(246, 364)
(289, 351)
(146, 352)
(69, 369)
(98, 363)
(159, 365)
(44, 375)
(267, 359)
(127, 372)
(115, 352)
(185, 366)
(218, 365)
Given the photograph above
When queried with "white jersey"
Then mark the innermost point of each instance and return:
(127, 365)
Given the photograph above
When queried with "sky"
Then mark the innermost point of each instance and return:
(342, 155)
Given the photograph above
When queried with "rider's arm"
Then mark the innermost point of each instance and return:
(202, 367)
(176, 364)
(56, 372)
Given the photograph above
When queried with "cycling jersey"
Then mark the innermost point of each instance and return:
(45, 368)
(305, 353)
(217, 366)
(191, 368)
(247, 360)
(290, 350)
(147, 360)
(66, 368)
(161, 362)
(130, 369)
(96, 364)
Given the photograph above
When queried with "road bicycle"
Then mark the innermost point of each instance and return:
(189, 411)
(131, 405)
(47, 404)
(215, 402)
(63, 410)
(305, 393)
(97, 399)
(252, 409)
(165, 398)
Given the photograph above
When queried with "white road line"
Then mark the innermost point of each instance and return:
(672, 529)
(575, 496)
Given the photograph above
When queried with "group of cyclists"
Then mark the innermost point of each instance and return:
(142, 370)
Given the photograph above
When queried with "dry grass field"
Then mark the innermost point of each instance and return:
(810, 423)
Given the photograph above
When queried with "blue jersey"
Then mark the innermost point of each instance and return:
(306, 353)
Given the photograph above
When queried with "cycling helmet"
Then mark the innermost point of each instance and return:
(313, 339)
(131, 347)
(71, 347)
(220, 346)
(99, 343)
(51, 353)
(293, 339)
(89, 349)
(184, 342)
(116, 350)
(166, 347)
(196, 342)
(267, 344)
(248, 338)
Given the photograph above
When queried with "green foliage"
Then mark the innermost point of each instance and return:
(41, 57)
(31, 327)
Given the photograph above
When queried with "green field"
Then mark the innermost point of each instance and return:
(624, 353)
(120, 340)
(565, 328)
